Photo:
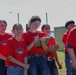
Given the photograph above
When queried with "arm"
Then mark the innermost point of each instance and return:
(57, 60)
(32, 43)
(72, 56)
(25, 61)
(44, 46)
(12, 59)
(2, 56)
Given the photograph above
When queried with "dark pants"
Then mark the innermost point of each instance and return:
(52, 68)
(3, 69)
(68, 64)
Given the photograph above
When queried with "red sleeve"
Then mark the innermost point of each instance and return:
(71, 39)
(9, 47)
(25, 38)
(25, 50)
(64, 38)
(52, 42)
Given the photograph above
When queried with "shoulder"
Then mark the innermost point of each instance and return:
(40, 33)
(52, 38)
(65, 34)
(73, 31)
(8, 34)
(10, 40)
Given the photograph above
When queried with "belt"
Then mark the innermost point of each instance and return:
(66, 52)
(50, 58)
(37, 55)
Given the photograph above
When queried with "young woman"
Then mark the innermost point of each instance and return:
(36, 58)
(17, 53)
(3, 46)
(51, 57)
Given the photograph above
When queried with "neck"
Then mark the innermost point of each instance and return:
(18, 38)
(46, 34)
(2, 33)
(33, 31)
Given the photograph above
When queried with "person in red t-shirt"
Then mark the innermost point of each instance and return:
(3, 46)
(51, 57)
(71, 45)
(69, 25)
(17, 53)
(36, 56)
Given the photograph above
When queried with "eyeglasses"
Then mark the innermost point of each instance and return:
(47, 28)
(36, 24)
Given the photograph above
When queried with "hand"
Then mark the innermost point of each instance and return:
(36, 38)
(59, 65)
(42, 39)
(26, 66)
(74, 64)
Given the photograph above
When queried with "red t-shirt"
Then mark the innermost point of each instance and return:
(29, 37)
(16, 49)
(64, 39)
(51, 43)
(3, 43)
(71, 39)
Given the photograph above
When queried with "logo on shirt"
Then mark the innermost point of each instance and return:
(20, 50)
(3, 42)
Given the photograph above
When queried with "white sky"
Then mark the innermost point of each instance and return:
(59, 11)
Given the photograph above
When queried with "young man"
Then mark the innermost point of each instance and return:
(3, 46)
(71, 45)
(69, 25)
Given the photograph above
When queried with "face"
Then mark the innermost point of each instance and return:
(3, 27)
(35, 25)
(46, 30)
(18, 31)
(70, 26)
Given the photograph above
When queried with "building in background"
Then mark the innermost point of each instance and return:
(58, 33)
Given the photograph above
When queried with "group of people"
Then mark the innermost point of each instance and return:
(19, 56)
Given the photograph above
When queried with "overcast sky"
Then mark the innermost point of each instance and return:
(58, 11)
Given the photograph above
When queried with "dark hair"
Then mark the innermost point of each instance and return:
(27, 27)
(43, 26)
(3, 21)
(69, 22)
(17, 25)
(35, 18)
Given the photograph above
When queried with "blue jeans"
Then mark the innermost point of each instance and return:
(73, 71)
(68, 64)
(3, 69)
(52, 68)
(38, 65)
(15, 70)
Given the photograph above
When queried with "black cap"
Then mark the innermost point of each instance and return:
(69, 22)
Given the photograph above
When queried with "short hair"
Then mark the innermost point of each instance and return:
(35, 18)
(69, 22)
(43, 26)
(3, 21)
(27, 27)
(17, 25)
